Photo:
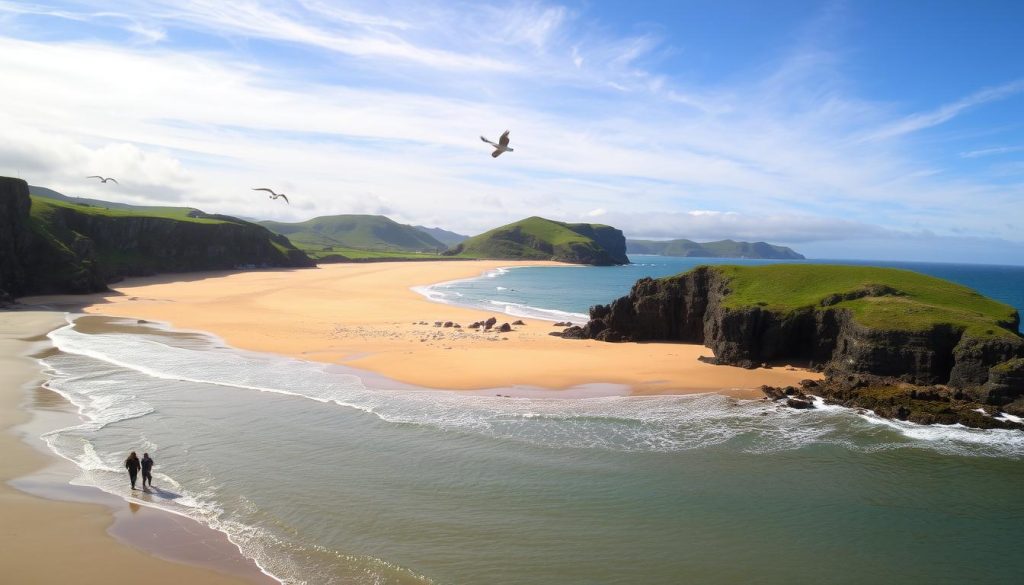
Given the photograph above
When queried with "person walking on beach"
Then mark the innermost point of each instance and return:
(133, 464)
(147, 470)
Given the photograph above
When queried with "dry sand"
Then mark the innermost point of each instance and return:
(366, 315)
(44, 541)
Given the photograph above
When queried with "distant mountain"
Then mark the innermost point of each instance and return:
(444, 236)
(719, 249)
(360, 232)
(537, 238)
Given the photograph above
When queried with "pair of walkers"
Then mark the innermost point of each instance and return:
(134, 464)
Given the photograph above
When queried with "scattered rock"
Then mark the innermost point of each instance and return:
(475, 325)
(457, 326)
(437, 323)
(448, 324)
(799, 403)
(505, 328)
(518, 322)
(573, 332)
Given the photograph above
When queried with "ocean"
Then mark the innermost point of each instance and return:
(566, 293)
(324, 475)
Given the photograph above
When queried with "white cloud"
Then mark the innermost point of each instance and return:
(780, 157)
(991, 151)
(923, 120)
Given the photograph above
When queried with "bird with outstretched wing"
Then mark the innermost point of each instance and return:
(273, 195)
(103, 179)
(500, 146)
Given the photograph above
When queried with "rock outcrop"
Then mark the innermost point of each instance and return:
(15, 237)
(695, 308)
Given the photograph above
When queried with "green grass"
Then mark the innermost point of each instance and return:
(519, 240)
(920, 302)
(43, 206)
(355, 232)
(318, 253)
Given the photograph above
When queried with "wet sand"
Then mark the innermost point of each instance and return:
(44, 538)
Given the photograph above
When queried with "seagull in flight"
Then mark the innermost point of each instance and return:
(500, 146)
(102, 179)
(273, 195)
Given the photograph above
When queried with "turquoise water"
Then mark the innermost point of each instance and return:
(567, 292)
(325, 476)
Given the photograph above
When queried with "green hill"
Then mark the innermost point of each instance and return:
(536, 238)
(719, 249)
(903, 344)
(348, 234)
(880, 298)
(52, 245)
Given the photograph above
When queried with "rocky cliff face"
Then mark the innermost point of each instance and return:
(70, 251)
(611, 241)
(14, 235)
(138, 246)
(689, 308)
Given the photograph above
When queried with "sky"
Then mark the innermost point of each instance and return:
(888, 130)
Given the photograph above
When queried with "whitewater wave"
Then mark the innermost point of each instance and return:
(620, 423)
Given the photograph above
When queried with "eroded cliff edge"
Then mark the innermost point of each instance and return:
(864, 327)
(54, 247)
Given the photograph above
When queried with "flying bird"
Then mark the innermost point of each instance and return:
(102, 179)
(500, 146)
(273, 195)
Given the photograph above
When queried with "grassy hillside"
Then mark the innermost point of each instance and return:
(45, 205)
(49, 194)
(112, 242)
(719, 249)
(880, 298)
(356, 232)
(537, 238)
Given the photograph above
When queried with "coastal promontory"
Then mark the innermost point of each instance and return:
(48, 245)
(537, 238)
(867, 328)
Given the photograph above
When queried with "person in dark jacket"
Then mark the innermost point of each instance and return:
(132, 463)
(147, 470)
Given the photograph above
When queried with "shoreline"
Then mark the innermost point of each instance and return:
(368, 317)
(94, 536)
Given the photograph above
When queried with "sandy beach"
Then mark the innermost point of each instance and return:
(47, 541)
(367, 316)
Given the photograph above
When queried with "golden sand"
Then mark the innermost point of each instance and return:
(367, 316)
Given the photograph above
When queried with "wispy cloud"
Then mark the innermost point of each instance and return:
(383, 109)
(991, 151)
(923, 120)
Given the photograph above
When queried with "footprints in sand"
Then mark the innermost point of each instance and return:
(441, 334)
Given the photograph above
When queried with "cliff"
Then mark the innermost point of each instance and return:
(50, 246)
(718, 249)
(896, 325)
(537, 238)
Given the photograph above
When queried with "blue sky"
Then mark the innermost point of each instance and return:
(880, 130)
